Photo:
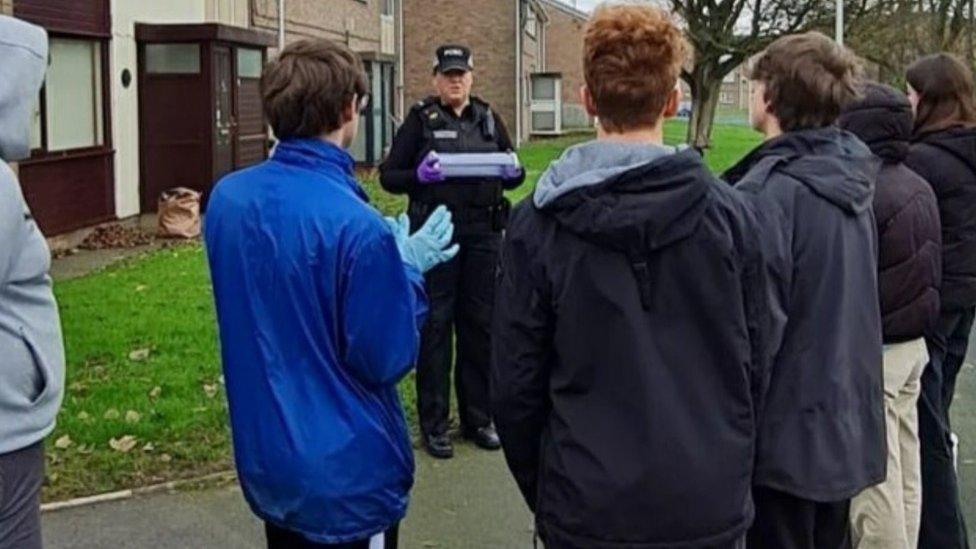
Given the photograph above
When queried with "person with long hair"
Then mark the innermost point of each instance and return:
(943, 152)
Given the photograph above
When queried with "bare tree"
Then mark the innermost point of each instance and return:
(726, 33)
(894, 33)
(723, 35)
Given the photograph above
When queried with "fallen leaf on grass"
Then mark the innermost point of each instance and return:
(132, 416)
(200, 409)
(123, 444)
(86, 449)
(83, 416)
(63, 443)
(111, 414)
(166, 458)
(156, 391)
(141, 288)
(77, 387)
(149, 447)
(211, 390)
(139, 355)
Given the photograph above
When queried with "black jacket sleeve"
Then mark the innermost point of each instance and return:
(398, 173)
(521, 358)
(505, 144)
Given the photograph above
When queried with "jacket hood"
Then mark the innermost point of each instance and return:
(883, 120)
(592, 163)
(958, 141)
(23, 49)
(831, 162)
(646, 207)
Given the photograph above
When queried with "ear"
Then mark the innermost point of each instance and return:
(672, 104)
(349, 112)
(587, 100)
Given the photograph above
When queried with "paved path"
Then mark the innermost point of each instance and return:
(468, 502)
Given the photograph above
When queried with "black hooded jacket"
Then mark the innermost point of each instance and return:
(822, 432)
(905, 208)
(947, 160)
(627, 359)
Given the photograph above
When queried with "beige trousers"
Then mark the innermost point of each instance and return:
(887, 516)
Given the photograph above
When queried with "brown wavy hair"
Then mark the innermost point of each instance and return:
(305, 90)
(945, 88)
(632, 58)
(809, 79)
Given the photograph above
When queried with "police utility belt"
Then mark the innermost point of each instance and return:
(494, 217)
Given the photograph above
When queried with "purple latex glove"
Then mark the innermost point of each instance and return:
(430, 170)
(511, 173)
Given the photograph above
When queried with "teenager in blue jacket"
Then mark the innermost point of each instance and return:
(319, 302)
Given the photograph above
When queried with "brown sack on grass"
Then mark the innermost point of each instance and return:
(179, 213)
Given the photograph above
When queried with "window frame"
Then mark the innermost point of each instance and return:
(43, 153)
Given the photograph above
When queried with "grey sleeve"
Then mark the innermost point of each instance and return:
(12, 212)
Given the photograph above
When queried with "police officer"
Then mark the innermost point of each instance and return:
(460, 291)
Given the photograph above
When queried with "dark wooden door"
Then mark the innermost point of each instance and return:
(224, 134)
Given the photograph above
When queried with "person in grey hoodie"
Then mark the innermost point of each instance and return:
(32, 368)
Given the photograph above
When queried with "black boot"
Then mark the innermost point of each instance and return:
(439, 446)
(484, 437)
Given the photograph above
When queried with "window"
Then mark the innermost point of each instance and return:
(543, 88)
(387, 7)
(69, 113)
(249, 63)
(172, 58)
(543, 121)
(725, 98)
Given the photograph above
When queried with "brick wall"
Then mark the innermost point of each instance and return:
(564, 54)
(7, 7)
(486, 26)
(355, 23)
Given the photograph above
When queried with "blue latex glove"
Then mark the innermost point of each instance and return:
(428, 247)
(429, 170)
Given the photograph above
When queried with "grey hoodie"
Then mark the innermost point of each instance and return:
(592, 163)
(31, 349)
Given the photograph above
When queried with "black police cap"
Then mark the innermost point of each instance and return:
(453, 58)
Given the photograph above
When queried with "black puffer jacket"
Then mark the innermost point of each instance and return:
(822, 432)
(909, 232)
(626, 358)
(947, 160)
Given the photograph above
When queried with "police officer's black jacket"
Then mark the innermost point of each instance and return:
(431, 126)
(822, 435)
(627, 359)
(947, 160)
(907, 215)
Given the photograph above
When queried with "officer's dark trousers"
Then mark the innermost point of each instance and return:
(785, 521)
(942, 525)
(460, 294)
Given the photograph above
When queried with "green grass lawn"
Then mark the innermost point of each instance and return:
(145, 399)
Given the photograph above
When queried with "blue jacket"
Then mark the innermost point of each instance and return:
(319, 319)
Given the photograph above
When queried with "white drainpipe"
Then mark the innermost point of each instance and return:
(281, 25)
(401, 84)
(518, 72)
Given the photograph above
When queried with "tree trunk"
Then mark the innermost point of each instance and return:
(703, 106)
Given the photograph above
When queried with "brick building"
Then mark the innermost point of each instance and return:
(526, 56)
(368, 27)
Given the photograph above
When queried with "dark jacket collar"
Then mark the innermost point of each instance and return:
(647, 207)
(831, 162)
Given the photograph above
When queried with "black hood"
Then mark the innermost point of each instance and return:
(648, 207)
(883, 119)
(831, 162)
(958, 141)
